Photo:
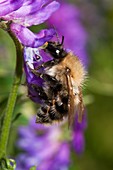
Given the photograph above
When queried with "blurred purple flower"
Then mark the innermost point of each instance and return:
(43, 147)
(25, 13)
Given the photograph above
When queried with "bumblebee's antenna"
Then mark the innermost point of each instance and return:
(62, 42)
(58, 39)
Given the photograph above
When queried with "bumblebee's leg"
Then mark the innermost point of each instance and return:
(48, 64)
(43, 118)
(61, 106)
(43, 115)
(40, 91)
(48, 113)
(44, 76)
(54, 114)
(47, 78)
(54, 85)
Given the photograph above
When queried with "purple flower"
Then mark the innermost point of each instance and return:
(43, 147)
(25, 13)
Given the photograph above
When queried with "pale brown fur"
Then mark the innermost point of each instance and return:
(73, 80)
(72, 62)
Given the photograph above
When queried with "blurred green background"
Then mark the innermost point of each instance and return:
(97, 18)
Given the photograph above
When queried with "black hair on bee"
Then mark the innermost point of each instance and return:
(62, 91)
(56, 49)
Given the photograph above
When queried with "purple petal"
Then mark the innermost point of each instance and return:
(26, 144)
(26, 131)
(28, 135)
(63, 155)
(80, 125)
(29, 55)
(78, 142)
(29, 7)
(41, 15)
(26, 161)
(7, 6)
(58, 160)
(28, 38)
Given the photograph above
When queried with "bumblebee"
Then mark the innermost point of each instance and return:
(62, 90)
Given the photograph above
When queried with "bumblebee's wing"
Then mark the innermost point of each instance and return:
(80, 106)
(72, 109)
(71, 103)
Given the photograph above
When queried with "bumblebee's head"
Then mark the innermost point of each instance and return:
(56, 49)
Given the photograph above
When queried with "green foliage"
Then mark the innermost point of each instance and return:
(7, 164)
(33, 168)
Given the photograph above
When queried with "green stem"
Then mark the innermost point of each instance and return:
(12, 97)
